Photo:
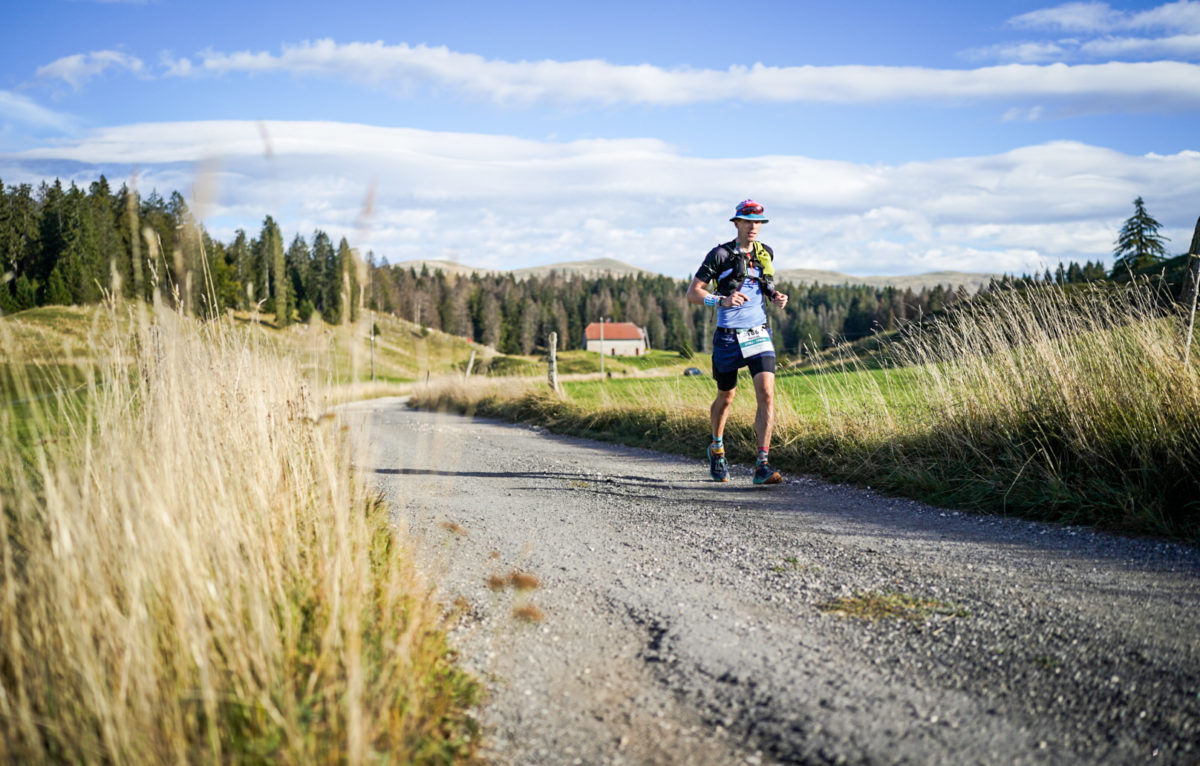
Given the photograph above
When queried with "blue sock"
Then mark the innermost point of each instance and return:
(762, 455)
(718, 442)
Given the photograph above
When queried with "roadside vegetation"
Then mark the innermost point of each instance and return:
(1067, 403)
(191, 570)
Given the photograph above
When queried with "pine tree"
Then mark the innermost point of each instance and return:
(158, 228)
(488, 327)
(225, 289)
(270, 243)
(110, 249)
(8, 303)
(328, 276)
(300, 271)
(1138, 245)
(25, 293)
(51, 226)
(528, 328)
(130, 266)
(18, 229)
(456, 317)
(79, 261)
(347, 281)
(561, 325)
(240, 258)
(57, 293)
(262, 261)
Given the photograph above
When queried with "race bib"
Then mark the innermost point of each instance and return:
(755, 341)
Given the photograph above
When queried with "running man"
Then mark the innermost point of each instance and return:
(744, 274)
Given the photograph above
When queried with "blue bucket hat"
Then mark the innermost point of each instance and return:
(749, 210)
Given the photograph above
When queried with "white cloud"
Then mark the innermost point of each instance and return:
(1070, 17)
(1100, 18)
(1100, 32)
(1181, 16)
(1109, 47)
(1158, 84)
(502, 202)
(1175, 46)
(77, 69)
(1023, 114)
(17, 108)
(1022, 52)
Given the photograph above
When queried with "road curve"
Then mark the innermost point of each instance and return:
(682, 621)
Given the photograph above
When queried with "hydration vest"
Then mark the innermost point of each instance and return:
(731, 280)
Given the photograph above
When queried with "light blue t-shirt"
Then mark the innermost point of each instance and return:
(752, 313)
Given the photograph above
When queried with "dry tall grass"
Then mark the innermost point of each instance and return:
(1081, 402)
(191, 573)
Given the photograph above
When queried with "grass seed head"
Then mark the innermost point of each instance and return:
(524, 580)
(529, 613)
(497, 582)
(457, 529)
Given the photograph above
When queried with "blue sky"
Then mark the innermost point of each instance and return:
(883, 138)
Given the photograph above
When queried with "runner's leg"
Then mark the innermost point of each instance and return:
(764, 417)
(719, 412)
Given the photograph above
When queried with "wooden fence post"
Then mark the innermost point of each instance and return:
(552, 362)
(1191, 281)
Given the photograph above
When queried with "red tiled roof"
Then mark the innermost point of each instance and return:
(614, 331)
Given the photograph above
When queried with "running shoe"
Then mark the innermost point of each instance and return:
(717, 467)
(765, 474)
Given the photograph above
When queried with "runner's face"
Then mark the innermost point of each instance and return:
(747, 230)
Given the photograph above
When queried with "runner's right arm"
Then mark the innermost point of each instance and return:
(699, 290)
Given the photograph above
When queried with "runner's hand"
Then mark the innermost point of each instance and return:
(736, 299)
(779, 299)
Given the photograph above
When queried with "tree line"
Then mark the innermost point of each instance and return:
(517, 316)
(64, 246)
(61, 246)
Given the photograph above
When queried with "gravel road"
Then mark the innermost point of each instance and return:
(681, 621)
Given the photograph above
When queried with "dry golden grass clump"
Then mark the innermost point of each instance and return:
(456, 394)
(191, 573)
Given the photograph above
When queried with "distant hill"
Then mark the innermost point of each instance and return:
(446, 267)
(593, 268)
(973, 282)
(601, 266)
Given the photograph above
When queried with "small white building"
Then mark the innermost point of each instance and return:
(619, 339)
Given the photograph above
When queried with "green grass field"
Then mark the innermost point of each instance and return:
(807, 394)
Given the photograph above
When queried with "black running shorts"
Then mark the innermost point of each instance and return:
(727, 359)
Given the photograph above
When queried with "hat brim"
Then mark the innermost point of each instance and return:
(759, 218)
